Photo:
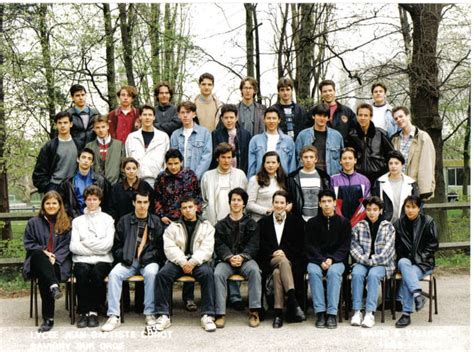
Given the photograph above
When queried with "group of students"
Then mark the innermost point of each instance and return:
(166, 191)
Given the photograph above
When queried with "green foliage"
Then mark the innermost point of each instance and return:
(452, 259)
(12, 281)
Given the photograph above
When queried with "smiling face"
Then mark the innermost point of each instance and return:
(147, 118)
(229, 119)
(348, 162)
(271, 121)
(328, 94)
(401, 119)
(92, 202)
(236, 204)
(271, 164)
(51, 206)
(131, 171)
(279, 204)
(363, 118)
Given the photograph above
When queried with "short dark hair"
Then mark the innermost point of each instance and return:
(76, 88)
(132, 91)
(283, 193)
(88, 151)
(350, 150)
(403, 108)
(146, 107)
(173, 153)
(140, 192)
(284, 82)
(228, 108)
(206, 75)
(395, 154)
(241, 192)
(186, 199)
(326, 82)
(271, 109)
(62, 114)
(223, 148)
(320, 109)
(416, 200)
(373, 200)
(326, 193)
(163, 84)
(93, 190)
(378, 84)
(187, 105)
(365, 106)
(127, 160)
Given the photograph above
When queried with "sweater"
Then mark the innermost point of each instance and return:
(260, 197)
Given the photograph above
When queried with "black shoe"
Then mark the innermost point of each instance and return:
(190, 305)
(403, 322)
(237, 305)
(277, 322)
(297, 315)
(56, 293)
(46, 325)
(331, 322)
(320, 320)
(419, 302)
(388, 305)
(83, 321)
(93, 321)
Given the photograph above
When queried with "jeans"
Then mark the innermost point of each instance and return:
(251, 271)
(374, 275)
(333, 280)
(121, 272)
(411, 275)
(90, 285)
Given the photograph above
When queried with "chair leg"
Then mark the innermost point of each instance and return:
(435, 295)
(341, 297)
(347, 299)
(430, 297)
(31, 298)
(170, 300)
(122, 310)
(383, 282)
(394, 292)
(66, 299)
(36, 301)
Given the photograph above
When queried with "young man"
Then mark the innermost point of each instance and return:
(305, 183)
(56, 160)
(148, 146)
(417, 148)
(207, 104)
(382, 110)
(373, 251)
(124, 119)
(328, 240)
(72, 188)
(166, 117)
(327, 141)
(291, 114)
(108, 152)
(231, 132)
(189, 245)
(82, 117)
(250, 113)
(273, 139)
(138, 249)
(236, 247)
(341, 117)
(192, 140)
(351, 188)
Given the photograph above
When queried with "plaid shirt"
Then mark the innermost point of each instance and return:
(384, 246)
(405, 146)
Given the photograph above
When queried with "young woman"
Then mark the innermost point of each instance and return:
(46, 242)
(264, 184)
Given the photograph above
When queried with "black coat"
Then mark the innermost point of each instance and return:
(420, 245)
(125, 243)
(80, 133)
(343, 120)
(241, 146)
(121, 198)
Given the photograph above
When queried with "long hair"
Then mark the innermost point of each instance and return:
(263, 179)
(63, 223)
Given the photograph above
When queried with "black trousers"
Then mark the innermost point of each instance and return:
(47, 275)
(90, 285)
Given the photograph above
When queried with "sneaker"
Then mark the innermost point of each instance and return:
(93, 321)
(150, 319)
(112, 323)
(220, 321)
(419, 302)
(163, 322)
(369, 320)
(191, 306)
(254, 319)
(83, 321)
(356, 318)
(207, 323)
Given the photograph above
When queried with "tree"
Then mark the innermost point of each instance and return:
(126, 22)
(109, 56)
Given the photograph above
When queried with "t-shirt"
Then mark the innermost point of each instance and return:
(147, 137)
(320, 144)
(310, 186)
(232, 134)
(222, 201)
(396, 191)
(378, 116)
(289, 115)
(272, 141)
(67, 153)
(186, 132)
(142, 222)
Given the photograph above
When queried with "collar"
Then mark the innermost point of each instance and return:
(106, 140)
(134, 186)
(219, 171)
(279, 218)
(92, 213)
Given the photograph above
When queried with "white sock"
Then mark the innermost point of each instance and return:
(53, 286)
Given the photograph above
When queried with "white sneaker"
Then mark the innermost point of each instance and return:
(369, 320)
(150, 319)
(112, 323)
(356, 318)
(207, 323)
(163, 322)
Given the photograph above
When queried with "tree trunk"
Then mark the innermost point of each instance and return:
(154, 35)
(110, 56)
(125, 31)
(281, 42)
(257, 54)
(305, 51)
(466, 157)
(249, 27)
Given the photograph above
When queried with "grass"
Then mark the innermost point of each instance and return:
(452, 261)
(12, 284)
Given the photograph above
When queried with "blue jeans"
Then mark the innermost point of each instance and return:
(334, 280)
(374, 275)
(114, 288)
(411, 275)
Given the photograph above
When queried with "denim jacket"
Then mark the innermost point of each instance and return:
(199, 148)
(258, 147)
(334, 144)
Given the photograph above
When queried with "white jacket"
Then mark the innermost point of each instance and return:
(151, 159)
(174, 241)
(92, 238)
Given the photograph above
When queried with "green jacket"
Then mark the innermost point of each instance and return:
(115, 154)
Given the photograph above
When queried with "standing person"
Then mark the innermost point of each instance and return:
(327, 141)
(91, 247)
(272, 140)
(192, 140)
(231, 132)
(250, 113)
(56, 160)
(328, 240)
(382, 110)
(82, 117)
(124, 119)
(108, 152)
(291, 114)
(373, 251)
(415, 244)
(282, 257)
(351, 188)
(166, 116)
(148, 146)
(269, 179)
(207, 104)
(46, 241)
(370, 143)
(236, 246)
(417, 148)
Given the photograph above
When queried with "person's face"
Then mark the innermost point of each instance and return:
(411, 210)
(101, 129)
(79, 99)
(285, 94)
(125, 99)
(309, 160)
(348, 162)
(378, 94)
(225, 161)
(327, 205)
(363, 117)
(320, 121)
(188, 210)
(164, 96)
(328, 94)
(92, 202)
(373, 212)
(236, 203)
(64, 125)
(271, 121)
(395, 166)
(186, 117)
(85, 161)
(248, 91)
(279, 204)
(147, 118)
(206, 87)
(173, 165)
(51, 206)
(229, 119)
(401, 119)
(141, 205)
(271, 164)
(131, 170)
